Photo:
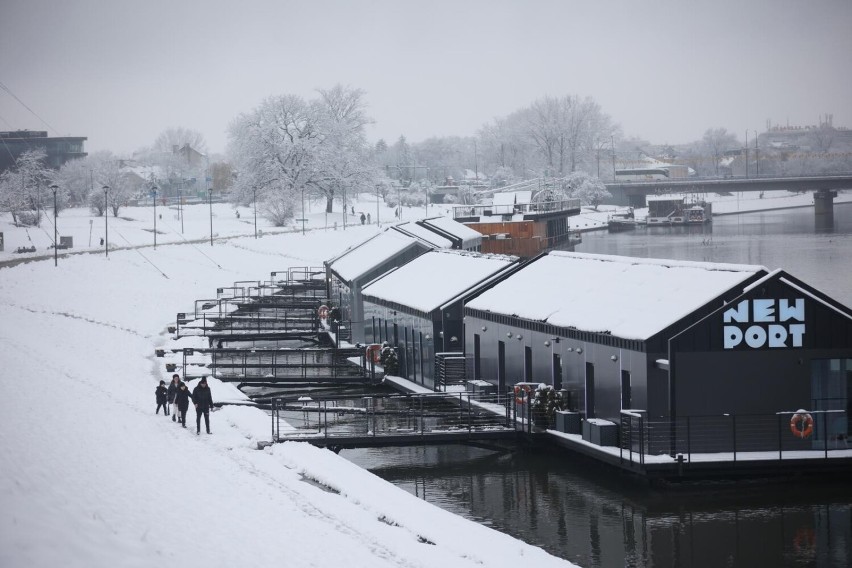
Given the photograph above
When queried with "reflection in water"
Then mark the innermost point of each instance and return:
(596, 517)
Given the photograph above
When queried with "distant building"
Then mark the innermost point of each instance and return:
(59, 150)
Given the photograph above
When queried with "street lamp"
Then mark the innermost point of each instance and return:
(154, 196)
(54, 187)
(303, 210)
(254, 197)
(180, 204)
(106, 222)
(210, 201)
(378, 219)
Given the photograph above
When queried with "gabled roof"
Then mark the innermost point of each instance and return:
(362, 258)
(445, 225)
(437, 277)
(630, 298)
(424, 234)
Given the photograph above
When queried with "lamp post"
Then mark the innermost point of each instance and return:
(154, 197)
(756, 158)
(254, 198)
(344, 207)
(303, 210)
(378, 219)
(746, 153)
(180, 205)
(210, 201)
(106, 222)
(54, 187)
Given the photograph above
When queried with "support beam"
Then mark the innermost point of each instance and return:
(824, 202)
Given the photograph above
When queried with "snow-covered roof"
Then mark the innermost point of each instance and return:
(468, 236)
(424, 234)
(436, 277)
(364, 257)
(630, 298)
(453, 227)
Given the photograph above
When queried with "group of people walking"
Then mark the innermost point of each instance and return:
(178, 394)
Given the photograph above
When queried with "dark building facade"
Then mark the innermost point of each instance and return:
(59, 150)
(698, 349)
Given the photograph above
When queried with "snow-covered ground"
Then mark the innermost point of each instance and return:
(90, 476)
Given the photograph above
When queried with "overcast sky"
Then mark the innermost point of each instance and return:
(121, 72)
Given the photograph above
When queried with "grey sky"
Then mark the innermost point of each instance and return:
(121, 72)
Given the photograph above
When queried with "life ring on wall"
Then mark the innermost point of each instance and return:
(521, 392)
(374, 352)
(807, 424)
(322, 311)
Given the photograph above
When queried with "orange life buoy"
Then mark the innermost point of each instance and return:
(521, 392)
(374, 352)
(807, 424)
(322, 311)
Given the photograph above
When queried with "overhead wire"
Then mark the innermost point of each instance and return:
(190, 243)
(136, 249)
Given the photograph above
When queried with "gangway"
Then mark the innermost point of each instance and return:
(395, 420)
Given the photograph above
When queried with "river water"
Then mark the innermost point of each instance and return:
(594, 516)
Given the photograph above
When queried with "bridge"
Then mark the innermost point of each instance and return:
(825, 188)
(347, 422)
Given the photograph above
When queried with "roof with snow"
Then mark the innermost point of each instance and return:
(630, 298)
(362, 258)
(468, 236)
(436, 278)
(424, 234)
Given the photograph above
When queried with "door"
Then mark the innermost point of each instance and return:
(477, 362)
(626, 401)
(528, 374)
(501, 368)
(590, 390)
(557, 371)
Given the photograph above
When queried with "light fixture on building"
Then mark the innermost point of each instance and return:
(428, 337)
(484, 328)
(579, 350)
(453, 338)
(509, 334)
(546, 343)
(570, 349)
(614, 357)
(519, 336)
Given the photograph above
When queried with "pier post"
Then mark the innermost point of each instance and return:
(824, 202)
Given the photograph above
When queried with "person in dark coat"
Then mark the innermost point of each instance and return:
(161, 398)
(182, 397)
(203, 403)
(173, 388)
(363, 218)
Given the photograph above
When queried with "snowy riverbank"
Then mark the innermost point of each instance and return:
(89, 476)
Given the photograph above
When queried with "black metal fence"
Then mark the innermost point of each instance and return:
(731, 437)
(274, 365)
(392, 415)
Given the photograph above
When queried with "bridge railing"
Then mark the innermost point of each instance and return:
(394, 415)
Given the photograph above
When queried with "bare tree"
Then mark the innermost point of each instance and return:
(172, 138)
(716, 141)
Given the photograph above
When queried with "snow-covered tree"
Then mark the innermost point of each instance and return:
(588, 189)
(24, 189)
(178, 137)
(716, 141)
(287, 146)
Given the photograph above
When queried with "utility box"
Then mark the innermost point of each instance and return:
(568, 422)
(600, 432)
(66, 242)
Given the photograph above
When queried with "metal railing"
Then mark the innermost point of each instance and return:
(465, 211)
(732, 437)
(393, 415)
(288, 364)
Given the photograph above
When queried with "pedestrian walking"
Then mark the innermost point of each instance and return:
(363, 218)
(161, 398)
(368, 218)
(170, 395)
(203, 403)
(182, 401)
